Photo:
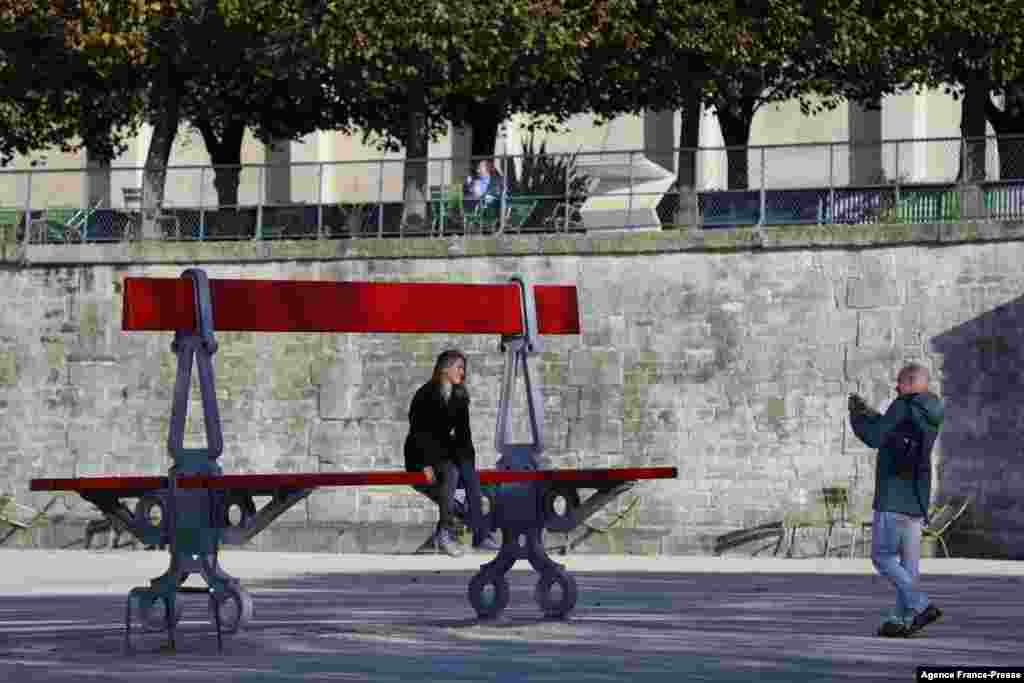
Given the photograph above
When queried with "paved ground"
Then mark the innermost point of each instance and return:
(386, 618)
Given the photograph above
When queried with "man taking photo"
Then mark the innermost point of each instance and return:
(904, 437)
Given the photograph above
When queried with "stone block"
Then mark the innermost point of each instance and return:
(873, 292)
(866, 364)
(595, 434)
(280, 448)
(600, 400)
(95, 323)
(590, 367)
(877, 329)
(337, 397)
(333, 441)
(333, 504)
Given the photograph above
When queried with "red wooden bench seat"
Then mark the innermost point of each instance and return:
(266, 484)
(167, 304)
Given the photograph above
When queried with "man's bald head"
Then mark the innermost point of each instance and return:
(912, 379)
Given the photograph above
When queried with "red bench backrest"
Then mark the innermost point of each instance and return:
(166, 304)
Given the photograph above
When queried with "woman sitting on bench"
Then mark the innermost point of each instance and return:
(440, 444)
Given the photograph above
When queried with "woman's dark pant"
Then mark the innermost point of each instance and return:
(448, 475)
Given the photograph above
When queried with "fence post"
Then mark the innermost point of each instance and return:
(259, 203)
(28, 209)
(320, 204)
(986, 195)
(442, 202)
(380, 200)
(760, 220)
(831, 181)
(629, 201)
(502, 201)
(896, 213)
(565, 199)
(202, 204)
(965, 171)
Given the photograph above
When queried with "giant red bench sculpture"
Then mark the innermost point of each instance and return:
(196, 507)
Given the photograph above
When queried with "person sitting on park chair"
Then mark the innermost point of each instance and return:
(484, 189)
(440, 445)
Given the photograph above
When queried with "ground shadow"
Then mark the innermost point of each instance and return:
(393, 626)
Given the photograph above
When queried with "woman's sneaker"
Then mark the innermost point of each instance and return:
(447, 543)
(487, 544)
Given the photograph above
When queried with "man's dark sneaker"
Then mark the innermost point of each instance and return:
(931, 613)
(893, 629)
(447, 543)
(487, 544)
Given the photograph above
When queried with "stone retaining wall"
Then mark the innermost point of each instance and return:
(728, 354)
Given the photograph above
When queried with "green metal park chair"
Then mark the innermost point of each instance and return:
(60, 223)
(488, 218)
(22, 519)
(768, 535)
(10, 219)
(942, 518)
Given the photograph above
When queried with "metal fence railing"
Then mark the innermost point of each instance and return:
(901, 181)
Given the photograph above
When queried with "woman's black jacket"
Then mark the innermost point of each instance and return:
(438, 431)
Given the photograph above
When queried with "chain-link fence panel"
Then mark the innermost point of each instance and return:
(1005, 201)
(926, 161)
(793, 167)
(13, 205)
(551, 189)
(58, 211)
(727, 209)
(924, 204)
(795, 206)
(1008, 162)
(857, 205)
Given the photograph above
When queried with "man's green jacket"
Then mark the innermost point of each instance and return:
(894, 493)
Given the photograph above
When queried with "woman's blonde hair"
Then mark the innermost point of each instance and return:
(447, 359)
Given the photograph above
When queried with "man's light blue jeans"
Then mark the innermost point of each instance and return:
(896, 553)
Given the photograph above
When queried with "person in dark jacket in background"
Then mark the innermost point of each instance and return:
(440, 444)
(904, 437)
(485, 187)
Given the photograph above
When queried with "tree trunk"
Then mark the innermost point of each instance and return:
(485, 120)
(1008, 124)
(972, 154)
(165, 129)
(226, 156)
(972, 129)
(97, 181)
(687, 212)
(735, 125)
(414, 182)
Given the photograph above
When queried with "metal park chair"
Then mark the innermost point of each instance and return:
(942, 518)
(61, 224)
(772, 532)
(487, 217)
(23, 519)
(133, 202)
(830, 512)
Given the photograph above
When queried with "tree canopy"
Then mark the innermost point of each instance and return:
(88, 72)
(68, 74)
